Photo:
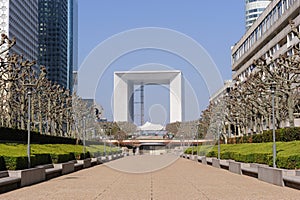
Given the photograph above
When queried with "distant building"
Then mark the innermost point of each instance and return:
(218, 95)
(19, 19)
(58, 39)
(253, 10)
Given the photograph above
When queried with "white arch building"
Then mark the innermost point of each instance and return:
(124, 82)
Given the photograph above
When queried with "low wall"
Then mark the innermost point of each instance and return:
(29, 176)
(86, 162)
(67, 167)
(203, 160)
(270, 175)
(216, 163)
(235, 167)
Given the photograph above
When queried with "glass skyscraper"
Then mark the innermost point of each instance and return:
(72, 42)
(57, 41)
(19, 19)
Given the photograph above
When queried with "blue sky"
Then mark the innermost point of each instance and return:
(215, 25)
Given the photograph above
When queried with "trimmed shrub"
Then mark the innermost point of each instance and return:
(85, 155)
(61, 158)
(2, 164)
(16, 163)
(21, 162)
(289, 162)
(41, 159)
(282, 135)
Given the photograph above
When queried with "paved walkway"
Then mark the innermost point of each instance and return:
(183, 179)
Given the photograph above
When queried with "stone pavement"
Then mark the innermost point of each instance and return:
(181, 179)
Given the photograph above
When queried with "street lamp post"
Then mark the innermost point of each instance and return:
(29, 93)
(273, 87)
(28, 126)
(192, 146)
(218, 141)
(181, 141)
(110, 141)
(83, 136)
(119, 139)
(193, 138)
(104, 137)
(197, 141)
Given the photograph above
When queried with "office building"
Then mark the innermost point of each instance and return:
(270, 35)
(19, 19)
(72, 44)
(57, 41)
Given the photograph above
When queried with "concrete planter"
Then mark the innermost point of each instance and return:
(99, 160)
(66, 167)
(104, 159)
(203, 160)
(235, 167)
(271, 175)
(86, 162)
(216, 163)
(29, 176)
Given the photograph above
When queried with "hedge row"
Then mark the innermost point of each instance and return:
(289, 162)
(262, 158)
(21, 162)
(20, 136)
(286, 162)
(282, 135)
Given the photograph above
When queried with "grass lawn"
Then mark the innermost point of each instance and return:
(14, 156)
(13, 149)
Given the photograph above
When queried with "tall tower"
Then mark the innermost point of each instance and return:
(57, 41)
(19, 19)
(72, 42)
(253, 10)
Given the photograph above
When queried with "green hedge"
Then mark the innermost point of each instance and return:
(288, 153)
(282, 135)
(61, 158)
(262, 158)
(21, 162)
(13, 156)
(288, 162)
(2, 164)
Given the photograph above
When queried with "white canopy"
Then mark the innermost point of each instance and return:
(150, 127)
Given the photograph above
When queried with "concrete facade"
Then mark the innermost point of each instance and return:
(124, 89)
(269, 36)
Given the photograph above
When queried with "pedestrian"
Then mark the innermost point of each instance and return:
(133, 150)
